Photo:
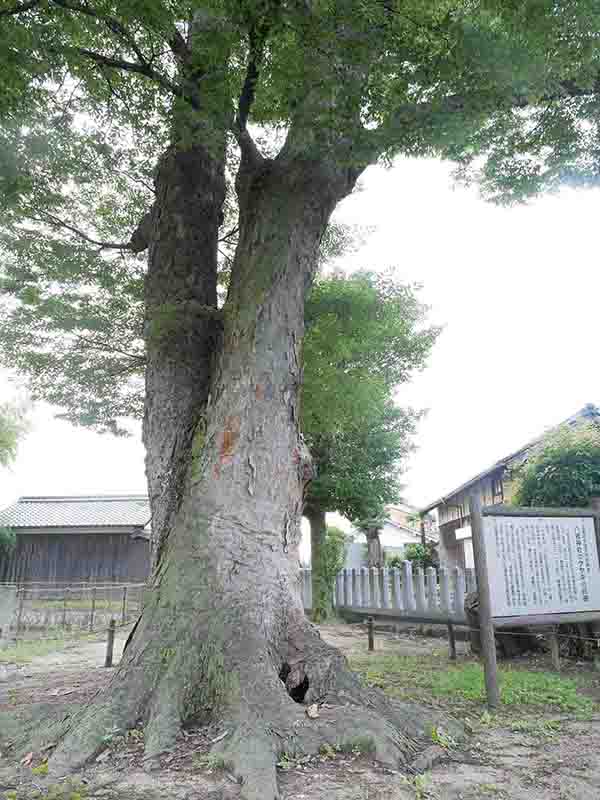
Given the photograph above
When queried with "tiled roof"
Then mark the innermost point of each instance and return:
(76, 512)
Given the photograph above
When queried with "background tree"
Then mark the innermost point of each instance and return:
(13, 426)
(365, 335)
(422, 555)
(167, 89)
(563, 471)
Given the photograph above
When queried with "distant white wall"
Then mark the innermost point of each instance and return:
(393, 540)
(336, 520)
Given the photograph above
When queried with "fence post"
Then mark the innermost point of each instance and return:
(432, 599)
(347, 588)
(364, 586)
(110, 644)
(444, 591)
(486, 625)
(304, 589)
(93, 609)
(407, 586)
(459, 593)
(397, 589)
(385, 587)
(356, 598)
(64, 614)
(21, 594)
(554, 649)
(451, 641)
(420, 586)
(373, 587)
(124, 607)
(370, 631)
(339, 590)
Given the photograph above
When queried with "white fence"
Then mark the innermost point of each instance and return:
(409, 592)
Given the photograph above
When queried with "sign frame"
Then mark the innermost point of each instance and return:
(550, 618)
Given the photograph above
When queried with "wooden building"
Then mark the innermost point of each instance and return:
(72, 539)
(494, 485)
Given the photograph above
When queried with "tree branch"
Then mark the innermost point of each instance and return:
(229, 234)
(175, 41)
(107, 347)
(20, 9)
(130, 66)
(415, 114)
(137, 244)
(113, 24)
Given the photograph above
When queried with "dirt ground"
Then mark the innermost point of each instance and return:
(496, 761)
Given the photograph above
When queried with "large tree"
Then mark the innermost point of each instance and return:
(365, 335)
(158, 93)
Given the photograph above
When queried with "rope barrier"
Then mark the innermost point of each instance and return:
(497, 632)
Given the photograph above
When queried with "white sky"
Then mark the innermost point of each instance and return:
(516, 289)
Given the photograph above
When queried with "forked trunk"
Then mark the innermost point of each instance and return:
(223, 631)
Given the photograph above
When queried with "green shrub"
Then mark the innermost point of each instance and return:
(8, 540)
(333, 558)
(565, 470)
(421, 556)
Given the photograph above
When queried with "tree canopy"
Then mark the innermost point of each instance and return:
(89, 91)
(365, 336)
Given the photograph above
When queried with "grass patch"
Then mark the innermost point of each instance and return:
(434, 676)
(27, 649)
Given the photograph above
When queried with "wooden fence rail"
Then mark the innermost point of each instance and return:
(45, 610)
(409, 593)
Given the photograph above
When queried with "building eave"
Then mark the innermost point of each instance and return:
(589, 410)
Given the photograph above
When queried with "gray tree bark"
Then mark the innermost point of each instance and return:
(222, 632)
(374, 549)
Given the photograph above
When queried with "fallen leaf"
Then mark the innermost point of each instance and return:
(27, 760)
(103, 756)
(312, 711)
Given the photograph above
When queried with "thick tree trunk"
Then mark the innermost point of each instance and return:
(182, 325)
(374, 549)
(223, 631)
(321, 602)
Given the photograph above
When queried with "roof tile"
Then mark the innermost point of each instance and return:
(75, 512)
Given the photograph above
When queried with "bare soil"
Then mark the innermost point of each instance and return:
(496, 761)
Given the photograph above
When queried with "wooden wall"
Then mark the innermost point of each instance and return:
(74, 557)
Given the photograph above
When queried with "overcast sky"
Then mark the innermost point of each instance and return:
(517, 291)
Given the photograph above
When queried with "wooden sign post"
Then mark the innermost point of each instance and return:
(486, 626)
(535, 566)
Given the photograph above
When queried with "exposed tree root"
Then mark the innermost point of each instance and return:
(349, 716)
(263, 713)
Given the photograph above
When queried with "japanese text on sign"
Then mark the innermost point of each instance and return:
(540, 565)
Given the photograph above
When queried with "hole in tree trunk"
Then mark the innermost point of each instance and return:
(298, 692)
